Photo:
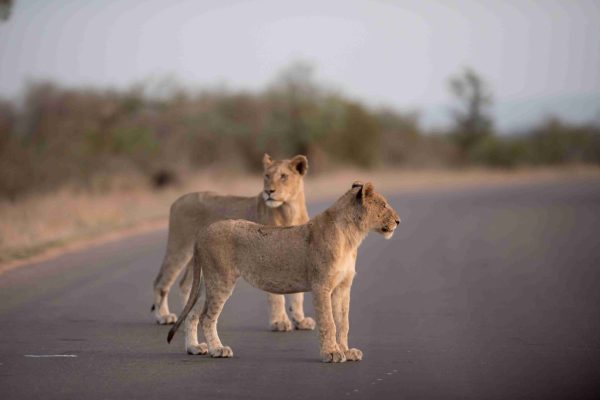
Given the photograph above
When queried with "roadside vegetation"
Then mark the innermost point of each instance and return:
(97, 140)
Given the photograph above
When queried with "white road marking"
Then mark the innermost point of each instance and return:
(50, 355)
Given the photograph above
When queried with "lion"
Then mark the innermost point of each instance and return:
(318, 256)
(281, 203)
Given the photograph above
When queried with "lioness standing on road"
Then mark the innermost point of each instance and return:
(319, 256)
(281, 203)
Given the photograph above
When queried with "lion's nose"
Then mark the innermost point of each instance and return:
(270, 191)
(398, 221)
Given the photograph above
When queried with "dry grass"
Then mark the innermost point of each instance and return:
(43, 224)
(35, 224)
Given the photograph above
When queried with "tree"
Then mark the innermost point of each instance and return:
(471, 117)
(298, 94)
(295, 96)
(5, 9)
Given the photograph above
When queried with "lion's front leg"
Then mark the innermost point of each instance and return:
(330, 351)
(301, 322)
(341, 310)
(278, 319)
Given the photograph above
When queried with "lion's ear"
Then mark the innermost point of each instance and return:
(365, 190)
(266, 161)
(300, 164)
(359, 193)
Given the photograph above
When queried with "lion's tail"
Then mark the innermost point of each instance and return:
(195, 293)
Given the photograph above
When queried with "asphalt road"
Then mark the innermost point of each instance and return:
(482, 294)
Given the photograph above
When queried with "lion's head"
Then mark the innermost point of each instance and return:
(374, 210)
(283, 179)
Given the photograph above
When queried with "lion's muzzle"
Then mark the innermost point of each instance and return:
(269, 200)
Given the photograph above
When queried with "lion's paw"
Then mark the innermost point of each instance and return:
(284, 325)
(166, 319)
(221, 352)
(335, 356)
(198, 349)
(353, 355)
(307, 324)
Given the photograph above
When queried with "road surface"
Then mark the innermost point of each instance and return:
(488, 293)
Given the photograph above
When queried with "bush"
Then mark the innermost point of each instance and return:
(87, 137)
(75, 136)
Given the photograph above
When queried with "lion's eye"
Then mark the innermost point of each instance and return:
(283, 177)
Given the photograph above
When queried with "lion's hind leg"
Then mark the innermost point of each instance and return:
(191, 332)
(170, 268)
(301, 322)
(278, 319)
(217, 294)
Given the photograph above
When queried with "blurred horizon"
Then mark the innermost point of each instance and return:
(539, 59)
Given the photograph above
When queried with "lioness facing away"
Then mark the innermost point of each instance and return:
(318, 256)
(281, 203)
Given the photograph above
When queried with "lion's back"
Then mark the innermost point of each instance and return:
(249, 240)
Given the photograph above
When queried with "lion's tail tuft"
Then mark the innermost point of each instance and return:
(171, 334)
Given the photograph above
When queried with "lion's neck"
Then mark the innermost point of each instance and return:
(341, 226)
(291, 212)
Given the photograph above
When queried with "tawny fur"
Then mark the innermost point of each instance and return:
(281, 203)
(319, 256)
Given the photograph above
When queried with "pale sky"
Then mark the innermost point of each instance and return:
(538, 56)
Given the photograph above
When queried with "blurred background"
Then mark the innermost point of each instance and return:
(103, 103)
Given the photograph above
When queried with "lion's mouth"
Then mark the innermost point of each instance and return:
(387, 232)
(271, 202)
